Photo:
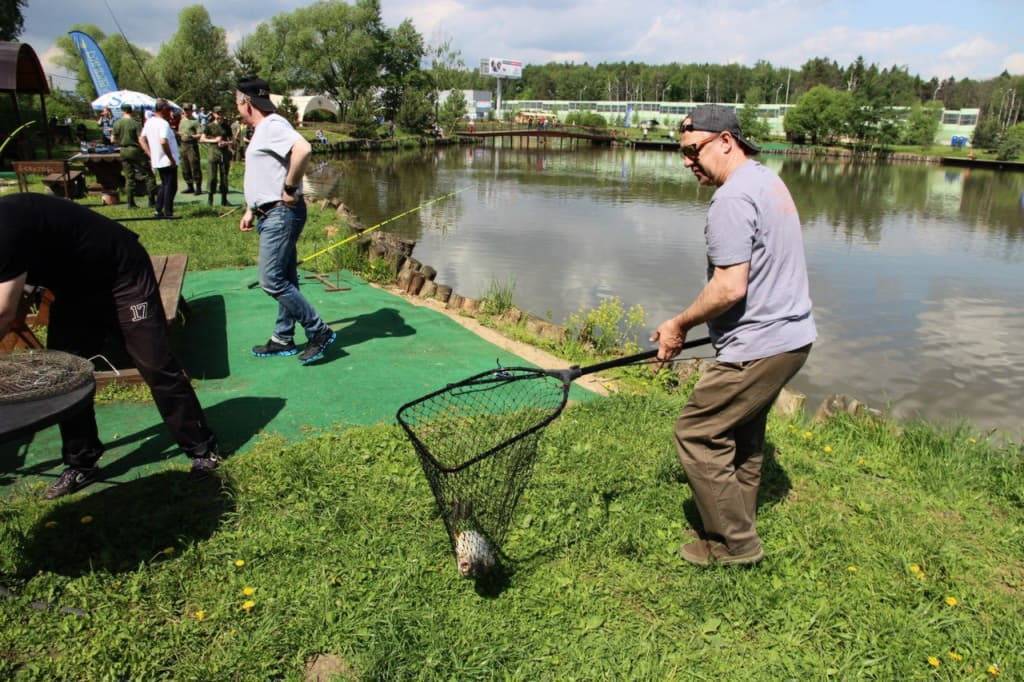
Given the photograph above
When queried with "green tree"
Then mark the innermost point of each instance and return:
(403, 52)
(287, 110)
(329, 47)
(986, 133)
(452, 110)
(195, 64)
(820, 116)
(922, 124)
(755, 128)
(12, 22)
(416, 112)
(1011, 144)
(362, 115)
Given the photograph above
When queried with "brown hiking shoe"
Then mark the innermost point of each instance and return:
(708, 553)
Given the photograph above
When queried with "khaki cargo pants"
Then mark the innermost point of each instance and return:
(720, 440)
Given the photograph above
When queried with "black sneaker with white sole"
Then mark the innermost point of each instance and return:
(317, 346)
(72, 480)
(274, 348)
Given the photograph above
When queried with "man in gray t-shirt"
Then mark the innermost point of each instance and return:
(275, 162)
(757, 307)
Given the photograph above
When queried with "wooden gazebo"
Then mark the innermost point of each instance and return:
(21, 73)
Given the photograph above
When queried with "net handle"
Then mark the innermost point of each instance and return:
(576, 372)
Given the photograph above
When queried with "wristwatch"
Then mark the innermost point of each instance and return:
(290, 190)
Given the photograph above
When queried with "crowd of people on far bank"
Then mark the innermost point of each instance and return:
(153, 148)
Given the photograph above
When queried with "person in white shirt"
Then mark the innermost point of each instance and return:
(161, 146)
(275, 161)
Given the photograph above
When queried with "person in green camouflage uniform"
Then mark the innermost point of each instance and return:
(218, 136)
(138, 176)
(191, 166)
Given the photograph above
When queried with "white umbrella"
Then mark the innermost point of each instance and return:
(138, 100)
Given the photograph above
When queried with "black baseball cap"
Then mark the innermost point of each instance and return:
(258, 92)
(715, 118)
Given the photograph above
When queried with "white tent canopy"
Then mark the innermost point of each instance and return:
(138, 100)
(308, 103)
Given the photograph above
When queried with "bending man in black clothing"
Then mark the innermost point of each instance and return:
(102, 280)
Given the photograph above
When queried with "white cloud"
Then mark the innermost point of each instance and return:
(1014, 63)
(976, 48)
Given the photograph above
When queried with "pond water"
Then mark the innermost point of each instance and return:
(916, 271)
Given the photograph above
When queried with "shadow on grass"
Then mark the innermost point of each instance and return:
(235, 421)
(131, 523)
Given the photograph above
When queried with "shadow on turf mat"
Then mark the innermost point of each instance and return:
(235, 422)
(114, 530)
(201, 344)
(383, 323)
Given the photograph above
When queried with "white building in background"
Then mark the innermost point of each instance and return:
(478, 102)
(954, 122)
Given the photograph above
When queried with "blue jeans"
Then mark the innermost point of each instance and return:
(279, 230)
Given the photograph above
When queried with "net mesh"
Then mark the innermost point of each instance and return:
(477, 441)
(37, 374)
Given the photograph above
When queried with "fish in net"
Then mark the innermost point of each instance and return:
(37, 374)
(477, 442)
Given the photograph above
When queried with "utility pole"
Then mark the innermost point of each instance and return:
(788, 76)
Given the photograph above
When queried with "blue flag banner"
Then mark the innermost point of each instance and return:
(95, 62)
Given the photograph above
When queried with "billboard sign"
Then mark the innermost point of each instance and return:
(501, 68)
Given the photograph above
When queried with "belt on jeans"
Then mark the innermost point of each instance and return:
(264, 209)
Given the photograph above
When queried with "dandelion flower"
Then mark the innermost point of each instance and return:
(915, 569)
(248, 605)
(50, 524)
(808, 434)
(952, 601)
(168, 551)
(852, 569)
(248, 591)
(972, 441)
(827, 449)
(861, 461)
(954, 656)
(85, 520)
(993, 670)
(239, 563)
(933, 661)
(199, 615)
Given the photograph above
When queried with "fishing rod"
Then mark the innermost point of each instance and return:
(346, 240)
(131, 49)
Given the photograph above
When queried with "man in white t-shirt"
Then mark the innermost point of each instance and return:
(161, 146)
(275, 162)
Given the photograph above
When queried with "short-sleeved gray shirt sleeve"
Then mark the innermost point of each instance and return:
(267, 158)
(752, 218)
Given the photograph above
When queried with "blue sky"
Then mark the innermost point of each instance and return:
(933, 38)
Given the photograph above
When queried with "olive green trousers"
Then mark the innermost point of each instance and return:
(720, 440)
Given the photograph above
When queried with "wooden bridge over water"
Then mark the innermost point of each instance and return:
(549, 137)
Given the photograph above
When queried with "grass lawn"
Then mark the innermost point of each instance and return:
(885, 548)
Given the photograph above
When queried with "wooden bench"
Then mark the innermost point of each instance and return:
(58, 176)
(170, 276)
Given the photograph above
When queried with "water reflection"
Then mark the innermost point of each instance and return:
(914, 268)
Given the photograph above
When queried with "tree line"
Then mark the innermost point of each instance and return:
(378, 73)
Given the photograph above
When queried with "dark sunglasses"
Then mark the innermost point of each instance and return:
(692, 151)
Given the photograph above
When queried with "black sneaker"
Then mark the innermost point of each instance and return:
(317, 346)
(206, 464)
(274, 348)
(72, 480)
